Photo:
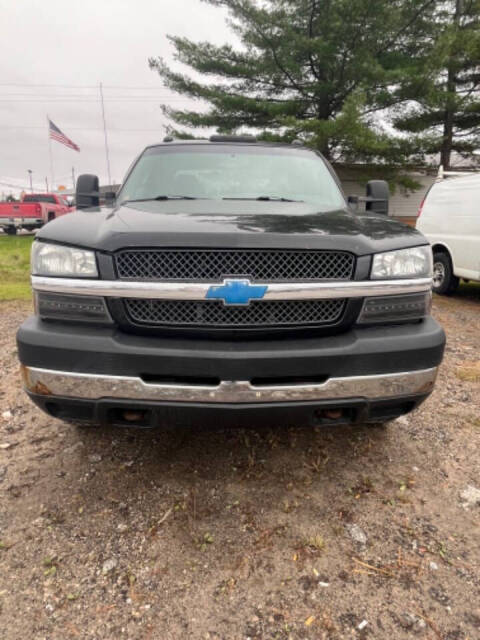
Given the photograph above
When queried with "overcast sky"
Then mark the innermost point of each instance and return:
(77, 45)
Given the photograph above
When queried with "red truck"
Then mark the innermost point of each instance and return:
(34, 210)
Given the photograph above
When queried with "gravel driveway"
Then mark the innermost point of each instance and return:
(222, 534)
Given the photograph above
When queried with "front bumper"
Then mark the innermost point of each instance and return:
(94, 387)
(99, 373)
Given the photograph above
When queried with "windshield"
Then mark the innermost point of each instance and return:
(38, 197)
(217, 172)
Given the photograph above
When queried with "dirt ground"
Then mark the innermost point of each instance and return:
(297, 533)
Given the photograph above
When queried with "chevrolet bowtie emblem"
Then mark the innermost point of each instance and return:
(236, 292)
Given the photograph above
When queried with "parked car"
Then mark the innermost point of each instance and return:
(34, 210)
(230, 281)
(450, 219)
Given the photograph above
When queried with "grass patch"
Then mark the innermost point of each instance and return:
(314, 542)
(469, 372)
(15, 267)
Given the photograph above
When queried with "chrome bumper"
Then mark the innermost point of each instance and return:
(47, 382)
(20, 222)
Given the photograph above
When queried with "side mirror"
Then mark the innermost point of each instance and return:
(87, 193)
(378, 195)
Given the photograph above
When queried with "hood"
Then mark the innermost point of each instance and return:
(229, 224)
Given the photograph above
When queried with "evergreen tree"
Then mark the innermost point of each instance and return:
(313, 69)
(445, 94)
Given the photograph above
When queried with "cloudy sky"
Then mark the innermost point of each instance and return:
(54, 54)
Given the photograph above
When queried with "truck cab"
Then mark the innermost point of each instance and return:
(229, 280)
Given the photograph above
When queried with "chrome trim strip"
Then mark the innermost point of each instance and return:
(95, 386)
(198, 290)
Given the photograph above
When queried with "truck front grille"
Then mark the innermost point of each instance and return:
(215, 264)
(267, 313)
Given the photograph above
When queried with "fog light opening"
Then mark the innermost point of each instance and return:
(332, 416)
(132, 415)
(125, 417)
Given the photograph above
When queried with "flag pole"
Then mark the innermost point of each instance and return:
(52, 178)
(105, 135)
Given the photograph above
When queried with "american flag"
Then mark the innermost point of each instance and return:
(57, 135)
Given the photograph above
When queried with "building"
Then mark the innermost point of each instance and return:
(404, 204)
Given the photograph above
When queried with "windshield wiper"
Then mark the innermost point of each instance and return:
(161, 197)
(266, 199)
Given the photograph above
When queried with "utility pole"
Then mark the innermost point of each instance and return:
(73, 177)
(46, 183)
(105, 135)
(30, 174)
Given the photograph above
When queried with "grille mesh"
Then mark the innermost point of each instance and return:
(214, 265)
(216, 314)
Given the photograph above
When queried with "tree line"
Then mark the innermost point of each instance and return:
(372, 81)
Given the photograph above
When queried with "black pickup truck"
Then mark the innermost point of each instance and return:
(230, 281)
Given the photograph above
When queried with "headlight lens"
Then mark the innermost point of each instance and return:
(406, 263)
(56, 260)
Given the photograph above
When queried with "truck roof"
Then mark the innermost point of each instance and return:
(44, 193)
(231, 140)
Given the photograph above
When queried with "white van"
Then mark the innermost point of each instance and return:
(450, 218)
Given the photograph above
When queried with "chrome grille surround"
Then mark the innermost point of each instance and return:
(307, 295)
(213, 265)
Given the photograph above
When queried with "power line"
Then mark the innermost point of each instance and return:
(80, 86)
(88, 99)
(78, 95)
(14, 126)
(13, 186)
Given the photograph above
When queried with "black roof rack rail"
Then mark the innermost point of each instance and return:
(219, 138)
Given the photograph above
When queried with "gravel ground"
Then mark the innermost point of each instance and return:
(329, 533)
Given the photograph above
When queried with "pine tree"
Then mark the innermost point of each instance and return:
(313, 69)
(445, 95)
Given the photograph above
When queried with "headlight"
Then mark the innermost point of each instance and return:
(56, 260)
(406, 263)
